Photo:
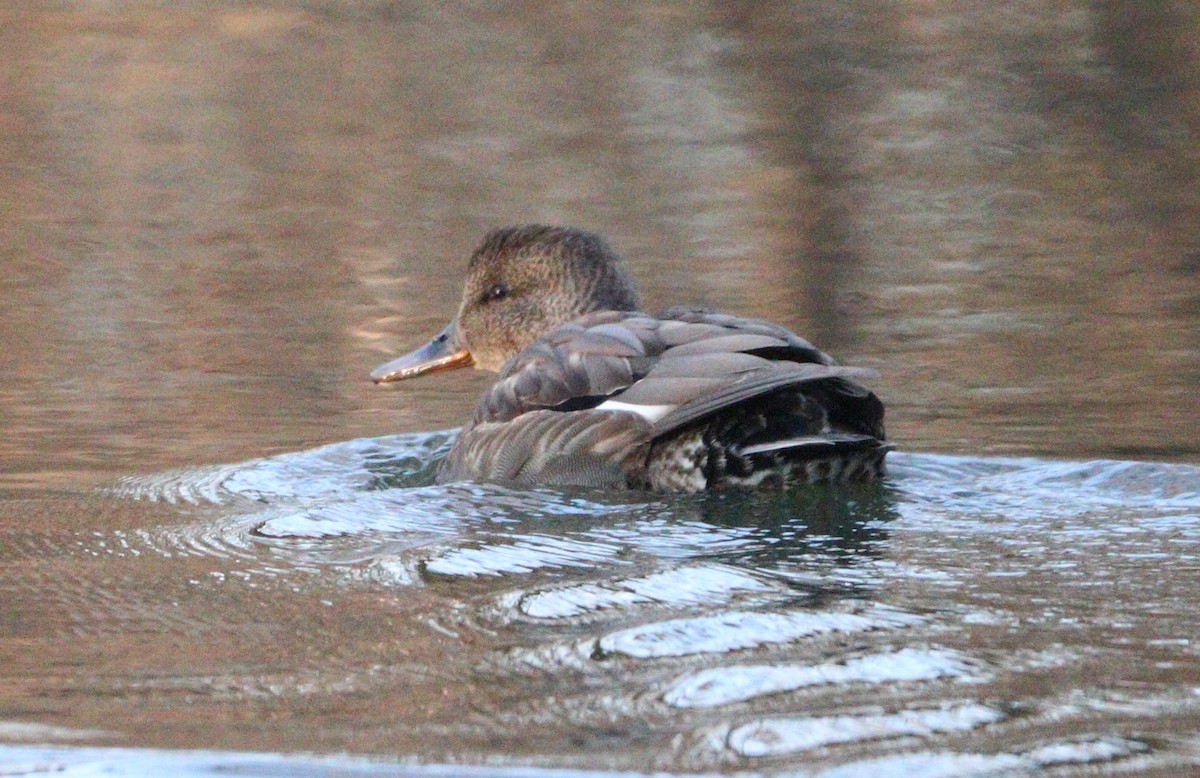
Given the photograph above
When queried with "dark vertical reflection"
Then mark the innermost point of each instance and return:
(29, 342)
(811, 84)
(1151, 113)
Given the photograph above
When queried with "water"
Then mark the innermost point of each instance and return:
(972, 615)
(221, 548)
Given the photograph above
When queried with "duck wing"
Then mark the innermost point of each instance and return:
(679, 390)
(596, 358)
(584, 448)
(582, 404)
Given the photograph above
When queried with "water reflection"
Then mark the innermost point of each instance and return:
(993, 208)
(216, 219)
(840, 521)
(841, 622)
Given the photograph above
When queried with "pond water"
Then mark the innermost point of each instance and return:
(221, 550)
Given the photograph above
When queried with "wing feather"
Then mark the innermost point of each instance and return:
(628, 378)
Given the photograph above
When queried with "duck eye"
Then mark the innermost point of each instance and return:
(497, 292)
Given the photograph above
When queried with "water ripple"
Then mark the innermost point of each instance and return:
(338, 469)
(774, 736)
(701, 584)
(1043, 489)
(522, 555)
(949, 764)
(821, 624)
(736, 630)
(725, 685)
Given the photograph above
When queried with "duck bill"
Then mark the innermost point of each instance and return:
(444, 352)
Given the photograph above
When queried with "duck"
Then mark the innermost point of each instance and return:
(593, 392)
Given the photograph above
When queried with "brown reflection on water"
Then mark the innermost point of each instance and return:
(216, 221)
(216, 218)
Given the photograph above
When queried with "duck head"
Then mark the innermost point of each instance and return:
(521, 283)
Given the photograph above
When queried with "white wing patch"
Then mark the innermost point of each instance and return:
(650, 413)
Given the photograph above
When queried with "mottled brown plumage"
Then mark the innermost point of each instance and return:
(592, 392)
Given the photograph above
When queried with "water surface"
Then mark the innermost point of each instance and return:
(971, 614)
(221, 548)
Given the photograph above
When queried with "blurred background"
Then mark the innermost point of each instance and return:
(216, 217)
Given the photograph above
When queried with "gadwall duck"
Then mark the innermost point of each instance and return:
(593, 393)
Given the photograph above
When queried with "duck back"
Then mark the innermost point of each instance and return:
(684, 401)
